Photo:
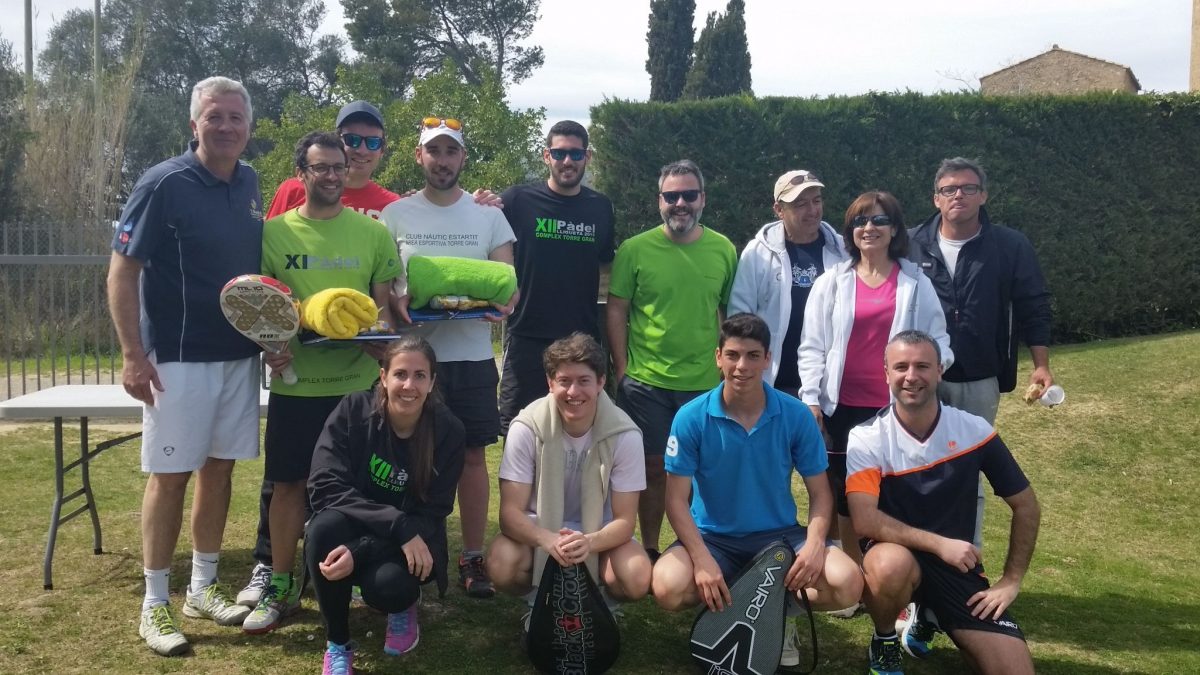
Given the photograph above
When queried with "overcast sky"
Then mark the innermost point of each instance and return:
(598, 49)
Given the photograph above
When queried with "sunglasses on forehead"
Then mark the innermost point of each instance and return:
(435, 122)
(559, 154)
(355, 140)
(803, 177)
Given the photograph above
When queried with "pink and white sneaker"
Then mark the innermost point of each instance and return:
(403, 632)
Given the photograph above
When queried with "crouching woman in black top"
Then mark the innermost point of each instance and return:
(383, 479)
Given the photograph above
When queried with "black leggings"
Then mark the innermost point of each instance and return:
(381, 571)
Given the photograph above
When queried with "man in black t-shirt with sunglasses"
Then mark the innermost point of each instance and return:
(564, 236)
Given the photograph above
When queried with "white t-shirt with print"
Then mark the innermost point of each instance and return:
(462, 230)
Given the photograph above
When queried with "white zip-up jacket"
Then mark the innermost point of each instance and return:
(829, 318)
(763, 283)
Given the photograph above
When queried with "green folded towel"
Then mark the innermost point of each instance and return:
(482, 279)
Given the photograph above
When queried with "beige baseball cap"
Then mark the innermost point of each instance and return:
(791, 184)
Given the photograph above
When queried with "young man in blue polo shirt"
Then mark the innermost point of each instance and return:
(733, 450)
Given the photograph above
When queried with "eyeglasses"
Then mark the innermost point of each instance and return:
(354, 140)
(878, 221)
(672, 196)
(559, 154)
(435, 122)
(968, 189)
(322, 169)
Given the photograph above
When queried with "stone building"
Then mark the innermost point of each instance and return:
(1060, 71)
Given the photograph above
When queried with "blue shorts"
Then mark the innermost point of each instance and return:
(733, 552)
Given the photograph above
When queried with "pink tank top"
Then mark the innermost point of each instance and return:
(863, 383)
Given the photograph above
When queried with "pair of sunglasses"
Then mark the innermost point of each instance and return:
(354, 140)
(559, 154)
(672, 196)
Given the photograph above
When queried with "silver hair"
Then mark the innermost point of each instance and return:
(954, 164)
(683, 167)
(216, 86)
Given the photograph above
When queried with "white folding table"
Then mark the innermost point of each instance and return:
(81, 401)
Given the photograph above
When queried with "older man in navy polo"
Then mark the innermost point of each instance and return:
(192, 223)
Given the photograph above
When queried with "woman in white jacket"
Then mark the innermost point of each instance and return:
(853, 311)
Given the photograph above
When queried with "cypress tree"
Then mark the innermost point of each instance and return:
(721, 65)
(669, 40)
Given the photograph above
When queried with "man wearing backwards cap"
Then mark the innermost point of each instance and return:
(443, 220)
(778, 267)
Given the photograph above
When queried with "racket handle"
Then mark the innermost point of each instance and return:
(288, 375)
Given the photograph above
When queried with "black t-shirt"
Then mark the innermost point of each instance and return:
(807, 265)
(561, 244)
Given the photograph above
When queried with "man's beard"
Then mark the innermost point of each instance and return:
(677, 224)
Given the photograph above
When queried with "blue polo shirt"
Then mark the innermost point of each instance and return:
(742, 481)
(192, 232)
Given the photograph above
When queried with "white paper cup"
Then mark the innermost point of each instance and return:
(1053, 396)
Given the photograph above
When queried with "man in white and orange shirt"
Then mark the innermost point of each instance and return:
(911, 480)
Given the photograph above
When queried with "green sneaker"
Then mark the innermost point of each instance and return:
(214, 602)
(274, 605)
(161, 632)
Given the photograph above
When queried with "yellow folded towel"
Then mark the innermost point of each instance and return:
(338, 313)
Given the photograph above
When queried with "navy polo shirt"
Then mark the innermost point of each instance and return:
(192, 232)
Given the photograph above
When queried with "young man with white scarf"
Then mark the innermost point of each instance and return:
(570, 478)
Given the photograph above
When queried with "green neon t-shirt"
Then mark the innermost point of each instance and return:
(349, 250)
(674, 292)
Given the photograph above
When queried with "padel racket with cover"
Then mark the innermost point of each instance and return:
(261, 308)
(747, 637)
(570, 627)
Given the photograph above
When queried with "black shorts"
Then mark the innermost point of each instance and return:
(838, 427)
(294, 423)
(652, 409)
(945, 591)
(522, 377)
(469, 389)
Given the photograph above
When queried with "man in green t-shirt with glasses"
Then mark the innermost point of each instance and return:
(666, 300)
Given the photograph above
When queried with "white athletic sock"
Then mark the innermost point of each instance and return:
(890, 636)
(204, 570)
(158, 584)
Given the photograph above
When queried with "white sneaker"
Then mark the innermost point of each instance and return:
(791, 651)
(272, 608)
(161, 633)
(260, 578)
(213, 602)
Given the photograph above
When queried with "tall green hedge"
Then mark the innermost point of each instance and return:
(1105, 186)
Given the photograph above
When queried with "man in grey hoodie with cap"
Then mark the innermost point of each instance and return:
(779, 266)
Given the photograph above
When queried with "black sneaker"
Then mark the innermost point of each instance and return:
(884, 656)
(473, 576)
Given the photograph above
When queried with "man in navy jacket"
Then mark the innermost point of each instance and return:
(992, 291)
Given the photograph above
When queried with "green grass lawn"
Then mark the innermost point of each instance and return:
(1113, 587)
